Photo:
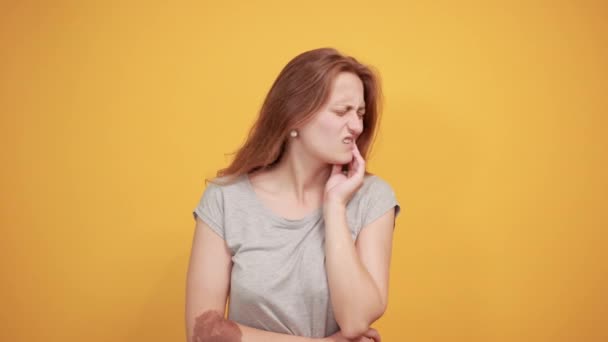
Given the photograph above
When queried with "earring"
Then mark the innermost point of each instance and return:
(293, 133)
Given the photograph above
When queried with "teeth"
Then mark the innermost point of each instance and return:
(347, 140)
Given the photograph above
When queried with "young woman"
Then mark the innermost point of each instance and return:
(295, 231)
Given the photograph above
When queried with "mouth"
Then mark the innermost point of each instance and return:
(347, 140)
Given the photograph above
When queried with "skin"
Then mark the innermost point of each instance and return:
(369, 336)
(212, 327)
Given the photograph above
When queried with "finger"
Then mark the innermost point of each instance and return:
(336, 168)
(360, 160)
(373, 334)
(352, 168)
(358, 154)
(360, 168)
(359, 339)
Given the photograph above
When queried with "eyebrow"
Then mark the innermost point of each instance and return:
(349, 106)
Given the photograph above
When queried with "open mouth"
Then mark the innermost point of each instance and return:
(347, 140)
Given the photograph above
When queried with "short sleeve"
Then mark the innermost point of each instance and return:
(211, 208)
(379, 198)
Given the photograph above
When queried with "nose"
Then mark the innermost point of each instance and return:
(355, 125)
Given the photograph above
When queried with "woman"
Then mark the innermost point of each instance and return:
(294, 230)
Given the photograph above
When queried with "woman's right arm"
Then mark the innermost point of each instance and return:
(207, 287)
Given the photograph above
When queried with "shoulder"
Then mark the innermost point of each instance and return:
(376, 197)
(213, 190)
(217, 199)
(220, 191)
(225, 185)
(374, 185)
(373, 191)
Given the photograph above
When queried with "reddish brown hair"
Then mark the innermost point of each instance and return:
(300, 90)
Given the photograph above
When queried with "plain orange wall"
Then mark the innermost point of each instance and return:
(493, 137)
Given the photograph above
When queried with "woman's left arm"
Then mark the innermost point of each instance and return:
(357, 272)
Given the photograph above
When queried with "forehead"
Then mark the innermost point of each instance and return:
(346, 86)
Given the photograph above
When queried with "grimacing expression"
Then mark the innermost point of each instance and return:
(331, 133)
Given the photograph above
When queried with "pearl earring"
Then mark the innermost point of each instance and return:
(293, 133)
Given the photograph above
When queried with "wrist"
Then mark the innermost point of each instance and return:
(332, 207)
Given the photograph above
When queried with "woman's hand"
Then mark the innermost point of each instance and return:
(371, 335)
(341, 187)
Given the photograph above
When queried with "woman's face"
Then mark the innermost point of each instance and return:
(333, 130)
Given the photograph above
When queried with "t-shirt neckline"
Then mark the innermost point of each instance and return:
(315, 214)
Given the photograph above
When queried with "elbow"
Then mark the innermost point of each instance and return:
(353, 327)
(353, 330)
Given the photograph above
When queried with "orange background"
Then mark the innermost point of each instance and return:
(493, 137)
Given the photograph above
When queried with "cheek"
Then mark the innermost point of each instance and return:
(320, 131)
(325, 138)
(328, 129)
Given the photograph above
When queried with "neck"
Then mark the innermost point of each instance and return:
(301, 174)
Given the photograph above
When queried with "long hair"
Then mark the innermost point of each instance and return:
(300, 90)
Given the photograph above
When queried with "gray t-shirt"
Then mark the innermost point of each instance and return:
(278, 280)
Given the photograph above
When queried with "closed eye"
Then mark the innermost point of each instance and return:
(360, 114)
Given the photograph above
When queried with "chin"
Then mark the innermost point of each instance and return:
(342, 159)
(337, 157)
